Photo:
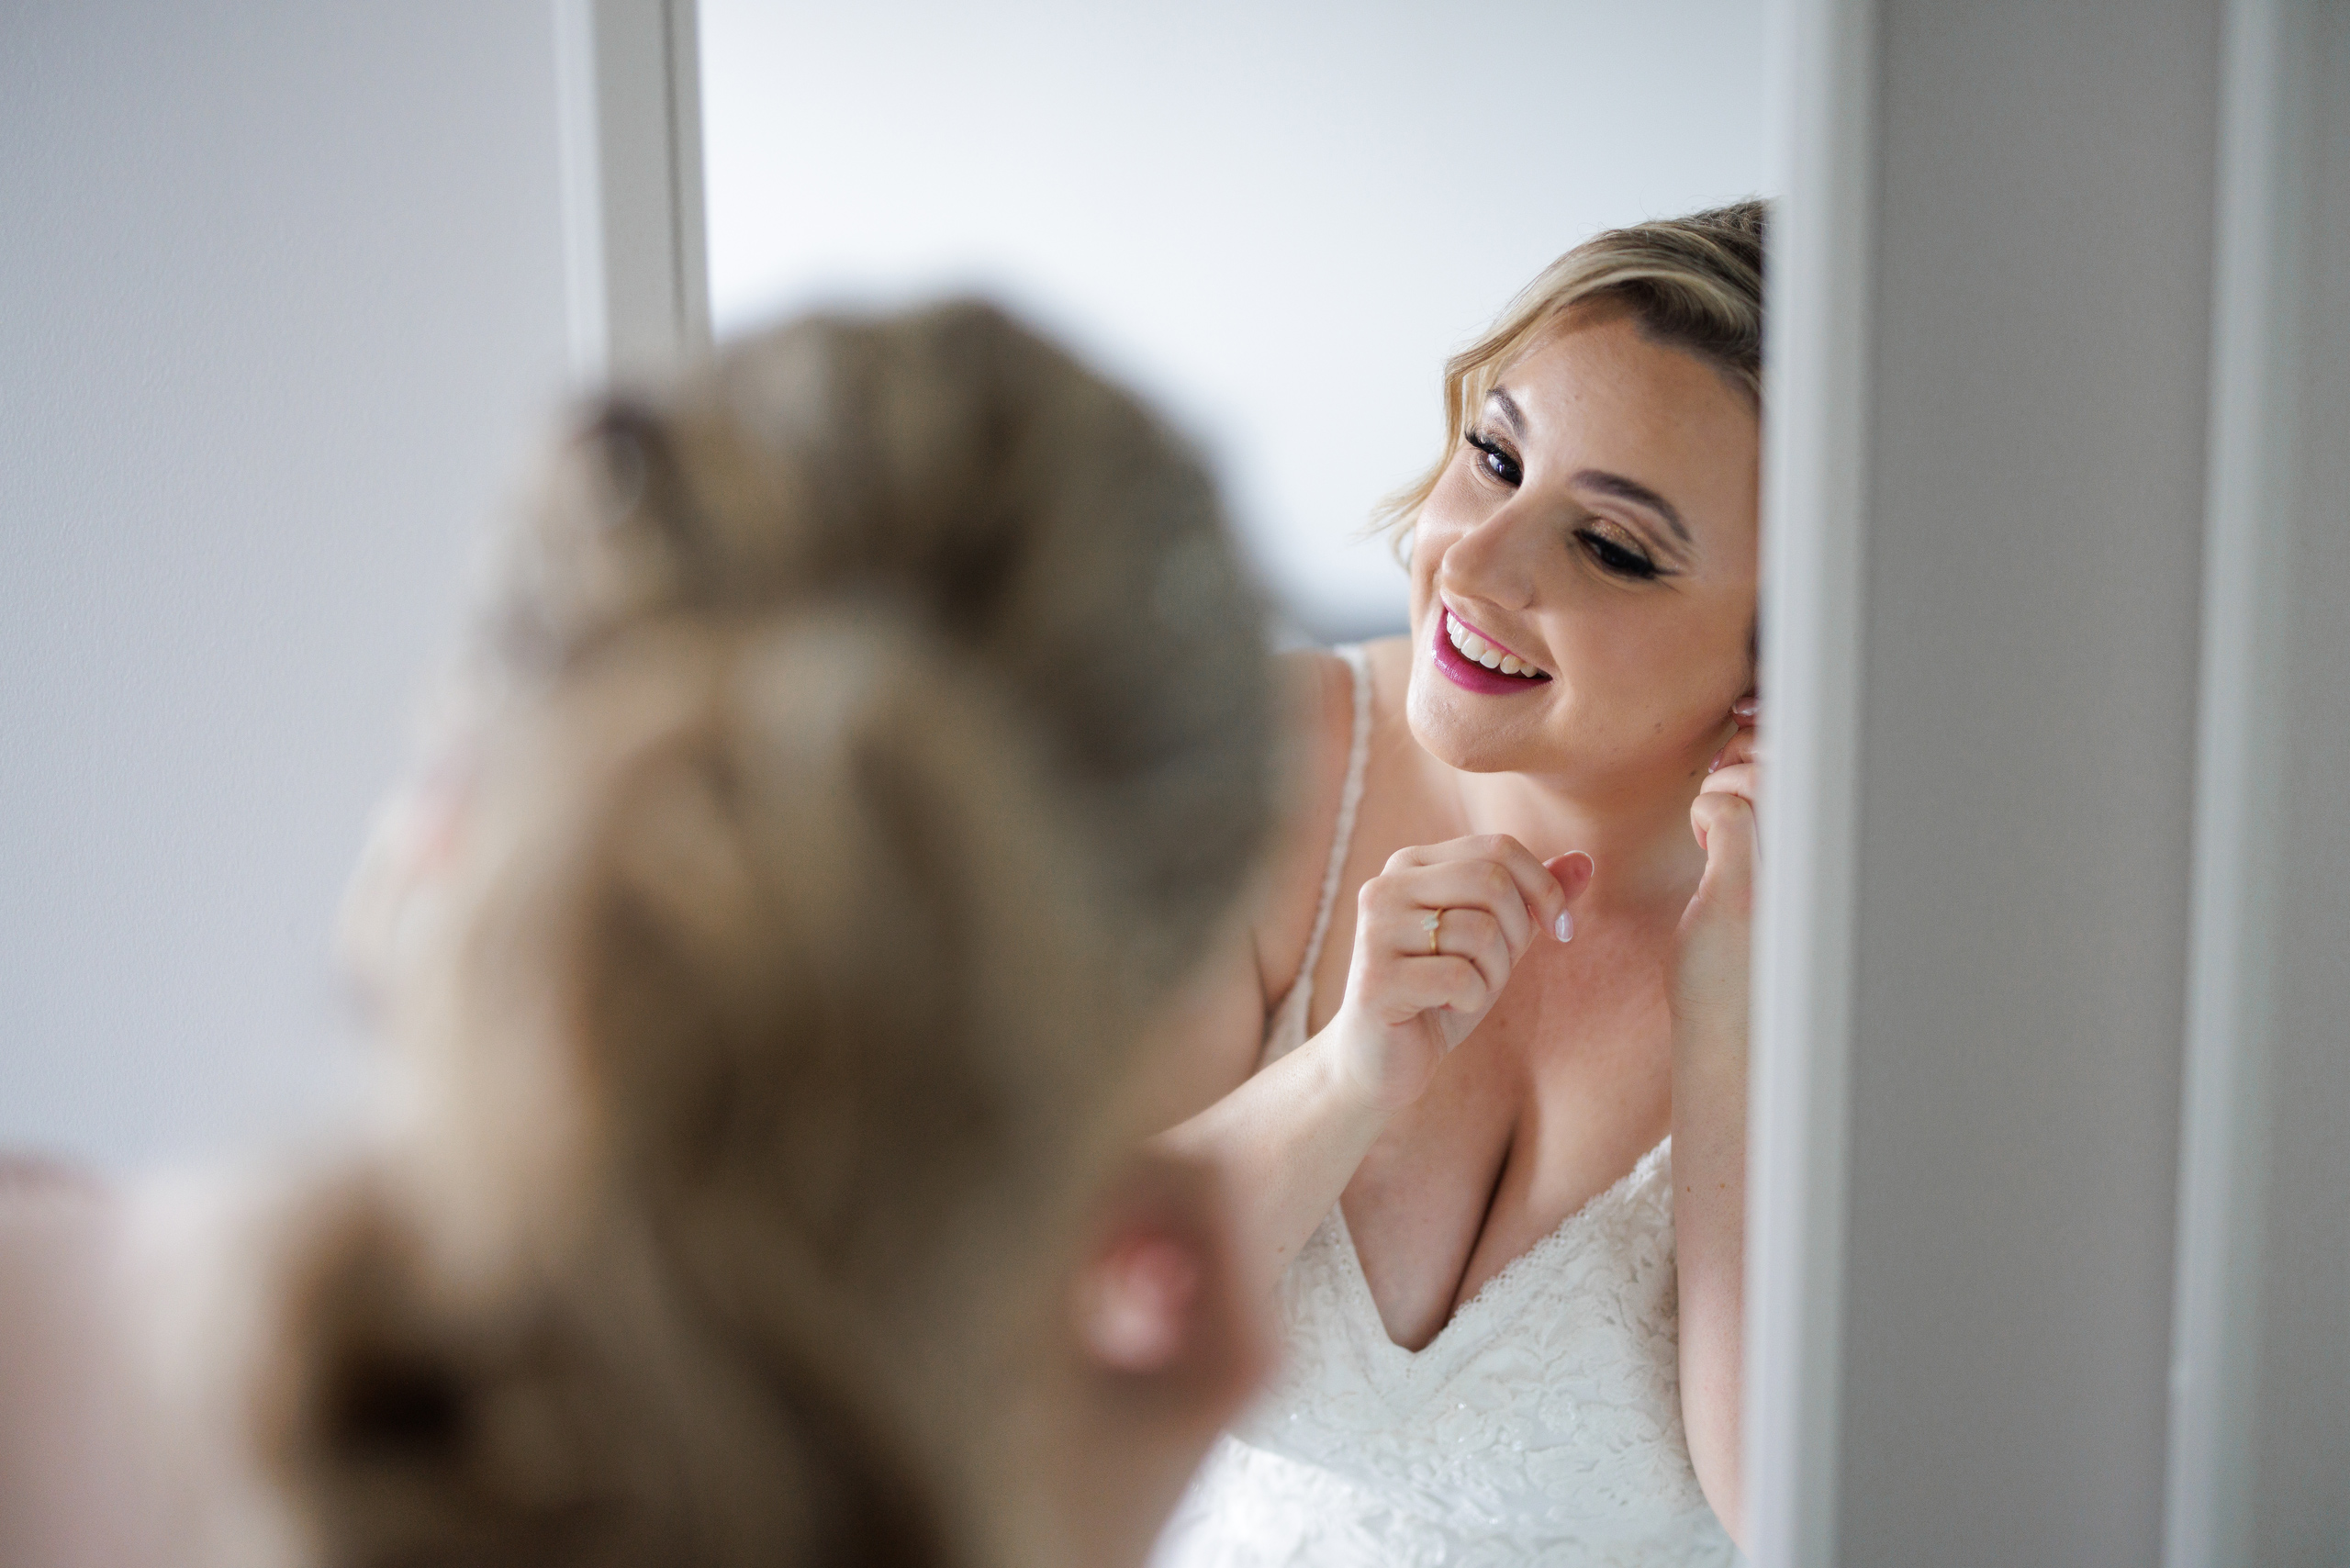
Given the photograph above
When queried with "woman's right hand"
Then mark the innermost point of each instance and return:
(1406, 1005)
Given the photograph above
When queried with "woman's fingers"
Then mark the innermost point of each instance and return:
(1573, 871)
(1467, 931)
(1740, 779)
(1436, 934)
(1401, 984)
(1454, 985)
(1746, 715)
(1539, 892)
(1723, 820)
(1456, 885)
(1396, 921)
(1444, 924)
(1742, 747)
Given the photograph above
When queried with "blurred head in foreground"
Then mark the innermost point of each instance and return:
(864, 742)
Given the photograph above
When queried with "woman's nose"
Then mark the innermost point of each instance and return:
(1492, 559)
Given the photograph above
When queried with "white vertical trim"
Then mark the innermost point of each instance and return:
(1817, 423)
(578, 140)
(630, 101)
(688, 223)
(2223, 1162)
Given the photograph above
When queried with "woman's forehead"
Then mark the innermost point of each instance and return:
(1603, 365)
(1599, 396)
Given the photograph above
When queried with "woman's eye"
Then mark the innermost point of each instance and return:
(1496, 462)
(1615, 559)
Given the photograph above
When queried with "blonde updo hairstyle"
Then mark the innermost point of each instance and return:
(867, 733)
(1694, 284)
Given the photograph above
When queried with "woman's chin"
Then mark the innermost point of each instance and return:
(1458, 730)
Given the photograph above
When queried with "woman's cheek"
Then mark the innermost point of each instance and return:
(1639, 690)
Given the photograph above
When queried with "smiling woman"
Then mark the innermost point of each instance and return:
(1551, 536)
(1489, 1113)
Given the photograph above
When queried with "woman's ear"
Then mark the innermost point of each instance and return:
(1166, 1344)
(1159, 1304)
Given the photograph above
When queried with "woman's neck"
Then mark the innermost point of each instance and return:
(1645, 861)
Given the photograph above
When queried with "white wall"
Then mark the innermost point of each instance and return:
(284, 303)
(1275, 219)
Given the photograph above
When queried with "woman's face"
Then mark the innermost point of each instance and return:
(1597, 524)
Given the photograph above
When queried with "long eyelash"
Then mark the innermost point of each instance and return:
(1609, 556)
(1613, 557)
(1492, 450)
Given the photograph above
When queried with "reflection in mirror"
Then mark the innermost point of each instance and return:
(1454, 1128)
(982, 1272)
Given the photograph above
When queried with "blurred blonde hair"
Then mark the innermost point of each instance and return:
(1692, 283)
(867, 731)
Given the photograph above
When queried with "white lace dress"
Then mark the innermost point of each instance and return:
(1541, 1424)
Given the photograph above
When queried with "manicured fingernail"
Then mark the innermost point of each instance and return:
(1746, 707)
(1565, 926)
(1715, 766)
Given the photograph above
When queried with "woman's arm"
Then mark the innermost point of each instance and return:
(1709, 1005)
(1285, 1144)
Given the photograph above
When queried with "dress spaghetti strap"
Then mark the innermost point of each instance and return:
(1286, 1031)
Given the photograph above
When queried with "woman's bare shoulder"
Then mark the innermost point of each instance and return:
(1318, 691)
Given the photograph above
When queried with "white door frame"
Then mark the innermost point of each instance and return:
(1824, 75)
(1823, 81)
(629, 79)
(2258, 286)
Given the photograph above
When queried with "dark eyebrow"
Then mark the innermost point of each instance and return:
(1510, 416)
(1599, 479)
(1632, 490)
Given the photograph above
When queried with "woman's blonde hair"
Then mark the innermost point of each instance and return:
(869, 731)
(1693, 282)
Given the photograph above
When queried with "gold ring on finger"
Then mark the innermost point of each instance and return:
(1434, 918)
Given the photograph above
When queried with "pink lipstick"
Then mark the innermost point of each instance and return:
(1466, 672)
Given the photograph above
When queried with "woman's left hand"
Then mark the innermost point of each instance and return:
(1710, 978)
(1709, 1006)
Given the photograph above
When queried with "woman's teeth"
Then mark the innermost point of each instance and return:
(1478, 651)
